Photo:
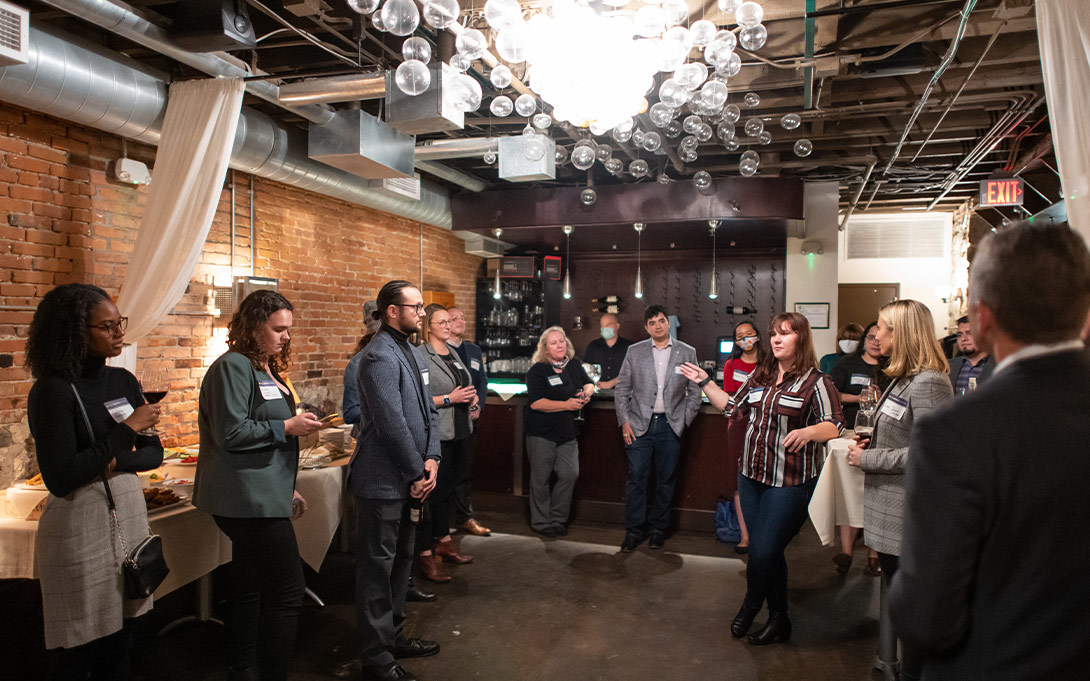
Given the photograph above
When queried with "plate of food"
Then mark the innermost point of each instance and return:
(158, 498)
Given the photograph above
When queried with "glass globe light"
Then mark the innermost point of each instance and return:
(412, 77)
(704, 132)
(561, 155)
(588, 196)
(400, 17)
(765, 137)
(691, 123)
(703, 32)
(803, 148)
(691, 75)
(513, 42)
(728, 37)
(676, 12)
(627, 124)
(529, 131)
(747, 168)
(754, 126)
(598, 128)
(751, 155)
(671, 55)
(501, 106)
(467, 93)
(416, 48)
(533, 147)
(470, 42)
(660, 114)
(673, 130)
(732, 66)
(501, 76)
(714, 94)
(752, 100)
(620, 135)
(728, 6)
(663, 178)
(604, 152)
(441, 13)
(460, 62)
(652, 141)
(638, 168)
(526, 105)
(687, 155)
(790, 121)
(718, 52)
(542, 121)
(732, 144)
(732, 113)
(753, 38)
(582, 157)
(689, 142)
(376, 21)
(502, 13)
(672, 94)
(637, 137)
(489, 157)
(614, 165)
(681, 35)
(702, 179)
(616, 3)
(649, 21)
(748, 14)
(725, 131)
(363, 6)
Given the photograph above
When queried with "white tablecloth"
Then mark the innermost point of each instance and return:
(192, 543)
(838, 496)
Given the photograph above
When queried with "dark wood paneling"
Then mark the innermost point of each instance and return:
(494, 461)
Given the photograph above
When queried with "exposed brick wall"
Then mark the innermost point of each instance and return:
(62, 219)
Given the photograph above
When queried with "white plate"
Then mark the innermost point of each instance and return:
(181, 500)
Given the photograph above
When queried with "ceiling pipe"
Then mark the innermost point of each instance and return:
(473, 184)
(82, 83)
(858, 193)
(462, 147)
(337, 89)
(118, 17)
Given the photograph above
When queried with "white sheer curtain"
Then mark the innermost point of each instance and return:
(190, 165)
(1063, 31)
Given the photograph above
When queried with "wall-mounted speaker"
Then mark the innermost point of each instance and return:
(213, 26)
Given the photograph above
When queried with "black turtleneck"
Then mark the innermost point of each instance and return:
(402, 340)
(68, 457)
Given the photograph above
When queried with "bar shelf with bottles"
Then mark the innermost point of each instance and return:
(508, 328)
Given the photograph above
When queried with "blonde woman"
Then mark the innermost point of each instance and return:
(918, 369)
(556, 388)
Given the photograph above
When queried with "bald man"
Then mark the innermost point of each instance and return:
(608, 351)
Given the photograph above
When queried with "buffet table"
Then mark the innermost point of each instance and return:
(838, 496)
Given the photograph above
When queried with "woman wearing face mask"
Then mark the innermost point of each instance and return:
(854, 373)
(847, 341)
(744, 358)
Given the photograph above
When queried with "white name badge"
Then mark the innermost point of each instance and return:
(677, 369)
(755, 395)
(426, 376)
(269, 391)
(555, 381)
(119, 409)
(860, 379)
(894, 407)
(475, 365)
(739, 376)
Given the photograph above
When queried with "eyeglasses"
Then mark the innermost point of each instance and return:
(112, 328)
(872, 339)
(419, 307)
(445, 322)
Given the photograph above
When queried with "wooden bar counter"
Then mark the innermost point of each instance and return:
(501, 472)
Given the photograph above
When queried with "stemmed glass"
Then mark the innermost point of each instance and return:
(154, 384)
(594, 372)
(868, 399)
(864, 426)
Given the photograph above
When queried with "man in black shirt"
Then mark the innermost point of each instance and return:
(608, 351)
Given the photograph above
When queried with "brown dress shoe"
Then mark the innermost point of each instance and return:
(449, 552)
(428, 567)
(473, 527)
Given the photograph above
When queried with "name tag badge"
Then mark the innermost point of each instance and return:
(475, 365)
(426, 376)
(860, 379)
(555, 381)
(755, 395)
(269, 391)
(739, 376)
(119, 409)
(894, 407)
(677, 369)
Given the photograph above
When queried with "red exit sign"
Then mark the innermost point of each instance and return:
(1001, 192)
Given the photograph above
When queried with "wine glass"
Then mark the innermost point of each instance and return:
(154, 384)
(594, 372)
(864, 426)
(868, 399)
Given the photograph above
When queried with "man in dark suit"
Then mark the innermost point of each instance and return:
(396, 460)
(993, 580)
(473, 359)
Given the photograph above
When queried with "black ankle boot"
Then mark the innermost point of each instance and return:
(776, 629)
(743, 621)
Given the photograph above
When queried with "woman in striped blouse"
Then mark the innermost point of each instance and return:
(792, 409)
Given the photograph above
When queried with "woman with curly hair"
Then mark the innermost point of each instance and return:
(245, 479)
(88, 621)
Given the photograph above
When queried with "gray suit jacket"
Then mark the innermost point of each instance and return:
(637, 387)
(884, 461)
(442, 383)
(399, 425)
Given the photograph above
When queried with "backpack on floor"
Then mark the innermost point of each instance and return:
(727, 529)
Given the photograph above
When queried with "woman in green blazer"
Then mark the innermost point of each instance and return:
(246, 479)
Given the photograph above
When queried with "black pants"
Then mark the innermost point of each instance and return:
(104, 659)
(384, 553)
(266, 594)
(452, 467)
(463, 506)
(911, 661)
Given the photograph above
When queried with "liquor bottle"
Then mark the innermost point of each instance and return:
(735, 310)
(606, 300)
(610, 309)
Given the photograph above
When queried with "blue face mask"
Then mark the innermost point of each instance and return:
(608, 332)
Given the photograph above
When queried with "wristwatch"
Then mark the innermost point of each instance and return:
(705, 382)
(446, 400)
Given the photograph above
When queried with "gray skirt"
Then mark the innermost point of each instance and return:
(79, 559)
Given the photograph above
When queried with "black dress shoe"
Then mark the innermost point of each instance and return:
(549, 531)
(415, 647)
(630, 543)
(560, 531)
(776, 630)
(415, 594)
(741, 550)
(739, 627)
(393, 672)
(657, 541)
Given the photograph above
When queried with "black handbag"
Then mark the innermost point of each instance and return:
(144, 567)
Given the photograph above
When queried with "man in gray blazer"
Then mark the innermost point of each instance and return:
(396, 460)
(655, 403)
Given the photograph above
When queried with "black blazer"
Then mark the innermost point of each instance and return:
(993, 582)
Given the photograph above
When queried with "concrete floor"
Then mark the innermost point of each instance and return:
(571, 609)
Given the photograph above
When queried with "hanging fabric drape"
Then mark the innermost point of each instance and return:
(190, 166)
(1063, 32)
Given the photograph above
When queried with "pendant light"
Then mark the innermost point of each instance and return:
(567, 263)
(713, 292)
(497, 291)
(638, 293)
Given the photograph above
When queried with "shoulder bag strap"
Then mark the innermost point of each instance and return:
(105, 481)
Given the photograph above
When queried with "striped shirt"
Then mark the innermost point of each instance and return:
(773, 412)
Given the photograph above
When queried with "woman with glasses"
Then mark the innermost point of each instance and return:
(454, 396)
(744, 358)
(88, 621)
(854, 374)
(245, 479)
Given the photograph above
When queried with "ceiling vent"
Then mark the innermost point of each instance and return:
(908, 61)
(213, 26)
(484, 246)
(432, 110)
(359, 143)
(14, 34)
(885, 238)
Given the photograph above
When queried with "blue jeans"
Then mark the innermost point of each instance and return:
(661, 445)
(774, 515)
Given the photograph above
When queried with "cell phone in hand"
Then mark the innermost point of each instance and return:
(328, 418)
